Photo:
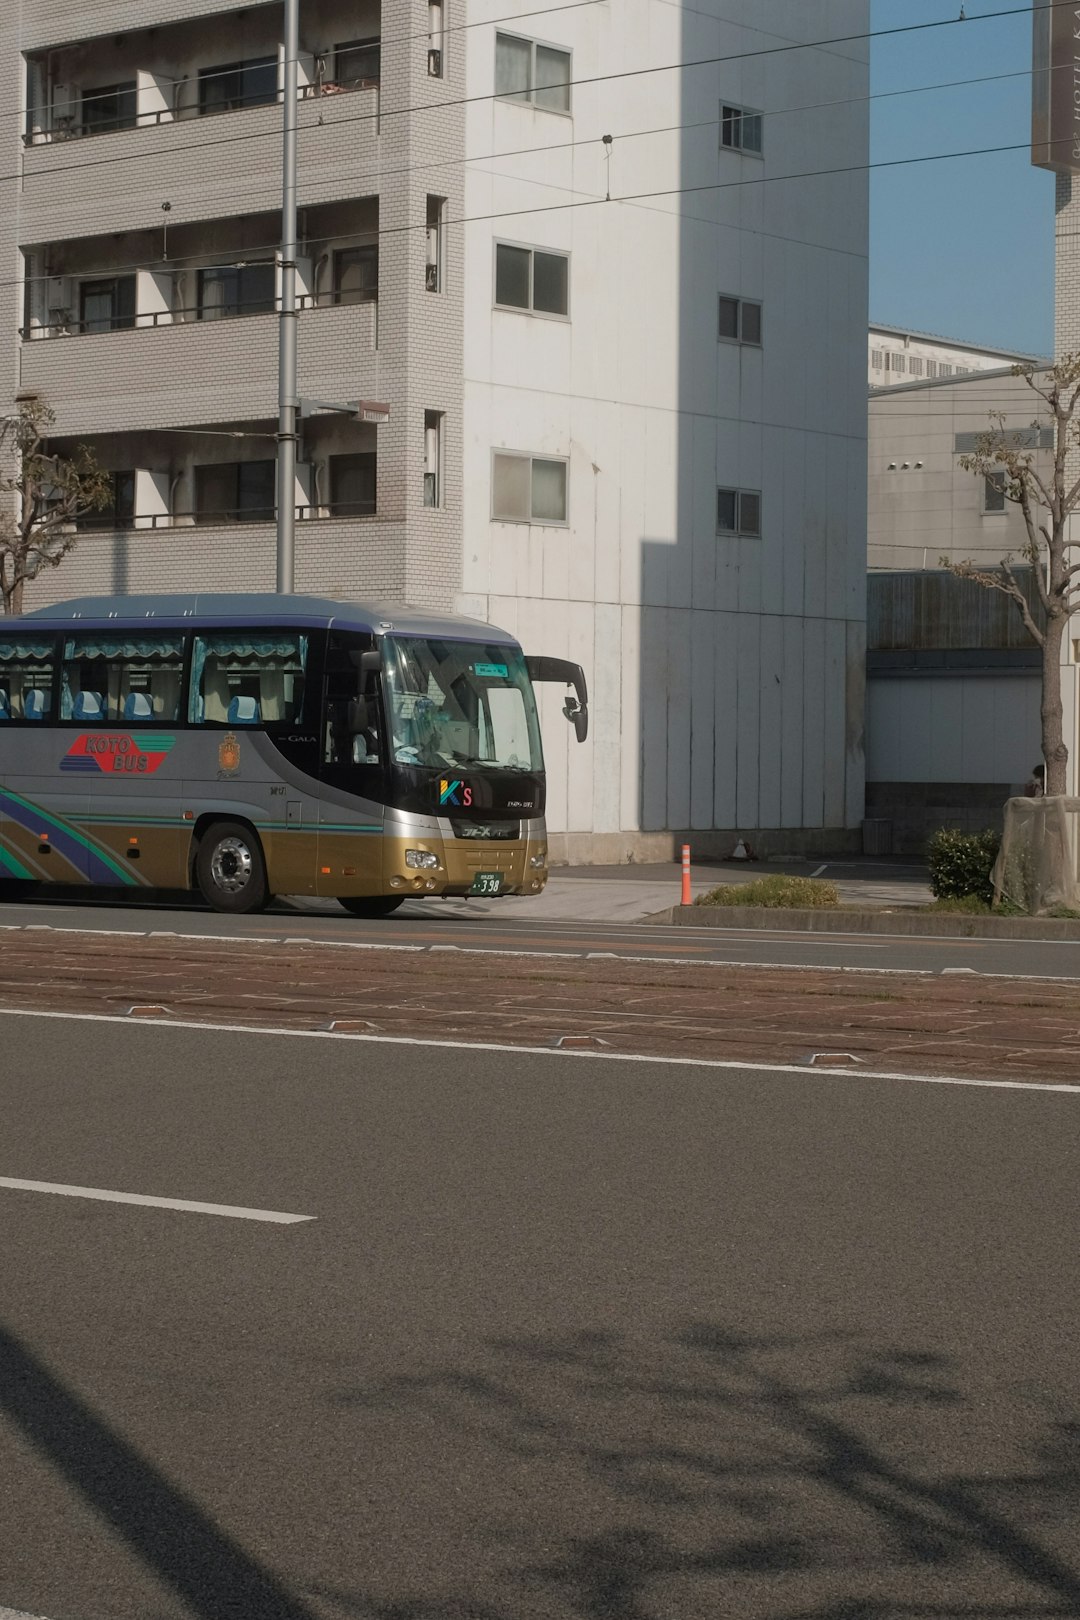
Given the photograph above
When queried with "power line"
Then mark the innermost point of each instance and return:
(600, 78)
(627, 198)
(628, 135)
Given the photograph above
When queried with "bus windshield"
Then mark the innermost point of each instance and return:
(454, 703)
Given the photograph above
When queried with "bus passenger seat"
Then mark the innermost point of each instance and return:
(35, 704)
(137, 706)
(244, 711)
(89, 706)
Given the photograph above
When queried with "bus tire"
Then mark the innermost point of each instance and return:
(230, 869)
(377, 905)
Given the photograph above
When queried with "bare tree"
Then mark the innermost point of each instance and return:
(51, 492)
(1047, 495)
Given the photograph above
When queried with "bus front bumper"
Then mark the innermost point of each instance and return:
(464, 866)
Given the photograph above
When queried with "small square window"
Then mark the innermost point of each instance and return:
(741, 130)
(738, 512)
(528, 489)
(740, 320)
(531, 279)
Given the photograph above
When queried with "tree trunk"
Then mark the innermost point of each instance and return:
(13, 596)
(1055, 752)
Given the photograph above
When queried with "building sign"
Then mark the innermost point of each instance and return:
(1055, 87)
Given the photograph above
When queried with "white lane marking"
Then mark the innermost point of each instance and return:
(731, 937)
(235, 1211)
(18, 1614)
(541, 1051)
(820, 869)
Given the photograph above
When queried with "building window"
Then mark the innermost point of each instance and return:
(235, 492)
(528, 278)
(356, 274)
(994, 491)
(740, 320)
(740, 130)
(436, 56)
(238, 84)
(433, 446)
(738, 511)
(107, 305)
(528, 489)
(111, 106)
(119, 510)
(877, 359)
(945, 370)
(897, 362)
(352, 485)
(358, 62)
(526, 71)
(232, 289)
(435, 219)
(931, 368)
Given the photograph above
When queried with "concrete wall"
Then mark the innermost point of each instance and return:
(726, 673)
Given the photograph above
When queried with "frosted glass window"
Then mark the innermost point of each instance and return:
(526, 71)
(528, 489)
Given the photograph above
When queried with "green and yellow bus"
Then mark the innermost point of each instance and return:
(253, 745)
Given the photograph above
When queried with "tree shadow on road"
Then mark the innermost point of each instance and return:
(712, 1473)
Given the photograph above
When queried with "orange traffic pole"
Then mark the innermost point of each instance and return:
(687, 898)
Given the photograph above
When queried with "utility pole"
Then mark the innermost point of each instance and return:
(288, 403)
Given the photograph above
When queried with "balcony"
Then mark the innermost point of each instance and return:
(191, 115)
(211, 371)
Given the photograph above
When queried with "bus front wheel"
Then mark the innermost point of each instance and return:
(378, 905)
(230, 869)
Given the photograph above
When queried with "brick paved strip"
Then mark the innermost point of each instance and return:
(992, 1028)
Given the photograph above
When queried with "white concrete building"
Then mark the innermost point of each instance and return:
(896, 356)
(630, 430)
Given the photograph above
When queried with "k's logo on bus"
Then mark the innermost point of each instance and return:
(455, 793)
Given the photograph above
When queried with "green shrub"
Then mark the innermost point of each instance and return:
(960, 864)
(776, 890)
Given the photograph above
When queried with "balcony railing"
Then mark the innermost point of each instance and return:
(93, 522)
(190, 315)
(67, 127)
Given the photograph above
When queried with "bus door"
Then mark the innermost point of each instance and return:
(354, 762)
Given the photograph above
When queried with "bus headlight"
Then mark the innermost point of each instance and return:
(421, 860)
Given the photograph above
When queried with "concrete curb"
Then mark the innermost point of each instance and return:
(909, 924)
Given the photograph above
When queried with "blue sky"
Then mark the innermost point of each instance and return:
(964, 247)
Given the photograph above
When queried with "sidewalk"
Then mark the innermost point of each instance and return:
(628, 894)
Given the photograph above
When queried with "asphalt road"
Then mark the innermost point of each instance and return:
(564, 1339)
(425, 924)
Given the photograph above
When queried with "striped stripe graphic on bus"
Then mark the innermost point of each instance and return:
(85, 856)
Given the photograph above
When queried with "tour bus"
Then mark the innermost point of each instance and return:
(252, 745)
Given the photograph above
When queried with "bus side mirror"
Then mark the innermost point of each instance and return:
(576, 708)
(368, 663)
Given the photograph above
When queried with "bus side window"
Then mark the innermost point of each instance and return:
(122, 680)
(248, 678)
(26, 678)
